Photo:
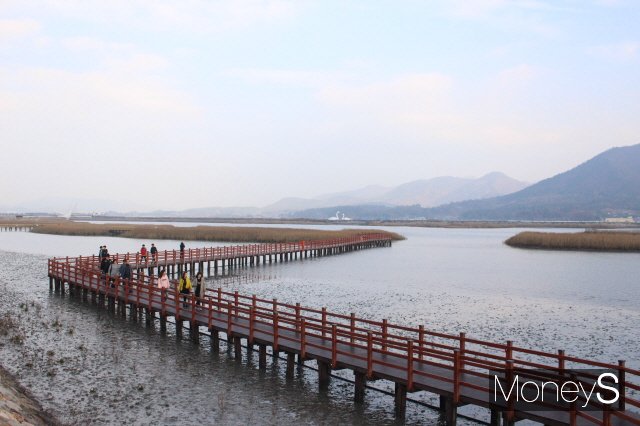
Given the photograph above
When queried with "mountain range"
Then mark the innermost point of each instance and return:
(424, 192)
(605, 186)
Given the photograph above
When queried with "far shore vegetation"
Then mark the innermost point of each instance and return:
(200, 233)
(588, 240)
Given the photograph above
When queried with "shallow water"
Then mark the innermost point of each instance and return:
(91, 366)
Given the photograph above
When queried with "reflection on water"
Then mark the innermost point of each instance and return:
(92, 366)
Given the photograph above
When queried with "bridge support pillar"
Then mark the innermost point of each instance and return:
(93, 297)
(194, 332)
(400, 400)
(133, 311)
(215, 340)
(237, 348)
(324, 374)
(450, 410)
(495, 417)
(507, 420)
(148, 315)
(300, 360)
(50, 283)
(178, 327)
(291, 362)
(163, 322)
(262, 357)
(85, 293)
(360, 386)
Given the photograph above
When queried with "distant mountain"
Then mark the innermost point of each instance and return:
(442, 190)
(608, 185)
(425, 193)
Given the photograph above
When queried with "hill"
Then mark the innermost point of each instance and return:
(607, 185)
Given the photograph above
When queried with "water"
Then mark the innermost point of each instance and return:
(90, 366)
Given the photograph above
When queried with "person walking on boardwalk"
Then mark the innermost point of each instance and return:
(100, 254)
(154, 253)
(125, 272)
(201, 287)
(163, 284)
(105, 263)
(182, 246)
(184, 287)
(114, 271)
(143, 254)
(105, 252)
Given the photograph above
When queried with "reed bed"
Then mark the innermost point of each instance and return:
(589, 240)
(201, 233)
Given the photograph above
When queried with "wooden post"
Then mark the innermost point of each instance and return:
(194, 332)
(360, 386)
(262, 357)
(324, 374)
(163, 322)
(215, 339)
(400, 401)
(291, 358)
(237, 348)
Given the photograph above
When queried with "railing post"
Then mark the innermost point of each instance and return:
(510, 379)
(352, 327)
(219, 299)
(275, 332)
(303, 339)
(421, 340)
(384, 334)
(251, 324)
(297, 316)
(409, 365)
(508, 353)
(229, 312)
(334, 345)
(622, 386)
(324, 321)
(462, 349)
(369, 355)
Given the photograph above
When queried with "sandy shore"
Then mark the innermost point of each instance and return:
(17, 407)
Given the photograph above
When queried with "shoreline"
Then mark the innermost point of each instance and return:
(18, 406)
(423, 223)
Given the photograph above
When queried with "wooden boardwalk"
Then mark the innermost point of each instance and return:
(456, 367)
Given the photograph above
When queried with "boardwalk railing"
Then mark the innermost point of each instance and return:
(457, 367)
(207, 254)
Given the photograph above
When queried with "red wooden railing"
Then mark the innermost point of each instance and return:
(229, 252)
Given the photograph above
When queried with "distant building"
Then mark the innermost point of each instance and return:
(628, 219)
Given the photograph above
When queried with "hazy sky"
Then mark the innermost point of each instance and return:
(179, 104)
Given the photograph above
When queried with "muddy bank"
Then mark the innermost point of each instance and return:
(17, 405)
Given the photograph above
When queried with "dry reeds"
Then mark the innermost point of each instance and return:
(596, 241)
(201, 233)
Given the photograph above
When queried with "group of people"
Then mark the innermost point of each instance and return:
(184, 285)
(110, 267)
(144, 253)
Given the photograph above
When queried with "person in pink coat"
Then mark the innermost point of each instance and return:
(163, 284)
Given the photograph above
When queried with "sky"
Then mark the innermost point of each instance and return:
(181, 104)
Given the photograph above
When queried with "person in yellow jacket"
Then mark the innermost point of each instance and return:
(184, 287)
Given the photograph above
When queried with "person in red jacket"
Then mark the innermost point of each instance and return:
(143, 254)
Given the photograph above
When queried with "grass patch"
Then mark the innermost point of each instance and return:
(589, 240)
(202, 233)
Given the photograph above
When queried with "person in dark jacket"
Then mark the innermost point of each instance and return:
(154, 253)
(125, 270)
(125, 273)
(182, 246)
(105, 263)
